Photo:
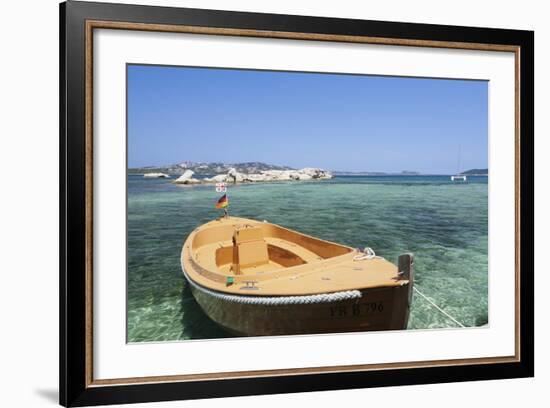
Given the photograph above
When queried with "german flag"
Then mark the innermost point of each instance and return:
(222, 202)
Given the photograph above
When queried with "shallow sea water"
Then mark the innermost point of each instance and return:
(444, 224)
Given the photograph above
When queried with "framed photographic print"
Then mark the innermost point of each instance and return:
(256, 203)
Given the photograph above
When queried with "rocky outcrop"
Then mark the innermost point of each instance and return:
(187, 178)
(156, 175)
(233, 176)
(220, 178)
(316, 173)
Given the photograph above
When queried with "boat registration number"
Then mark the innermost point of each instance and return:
(359, 309)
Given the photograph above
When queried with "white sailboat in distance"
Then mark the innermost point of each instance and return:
(458, 176)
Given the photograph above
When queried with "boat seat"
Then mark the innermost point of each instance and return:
(249, 248)
(305, 254)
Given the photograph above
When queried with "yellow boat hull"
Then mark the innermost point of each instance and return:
(376, 309)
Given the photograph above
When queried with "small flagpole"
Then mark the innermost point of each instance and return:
(221, 188)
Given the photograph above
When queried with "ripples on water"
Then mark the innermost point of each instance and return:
(445, 225)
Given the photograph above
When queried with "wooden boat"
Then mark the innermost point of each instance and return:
(256, 278)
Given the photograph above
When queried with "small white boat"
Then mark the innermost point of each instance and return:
(459, 177)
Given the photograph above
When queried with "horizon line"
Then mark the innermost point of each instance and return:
(391, 172)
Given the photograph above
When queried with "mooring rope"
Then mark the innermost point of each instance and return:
(366, 254)
(437, 307)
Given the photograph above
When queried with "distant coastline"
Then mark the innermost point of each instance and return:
(202, 170)
(207, 169)
(376, 173)
(476, 172)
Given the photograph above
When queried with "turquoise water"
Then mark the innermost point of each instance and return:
(443, 224)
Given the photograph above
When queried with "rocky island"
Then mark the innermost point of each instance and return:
(233, 176)
(190, 173)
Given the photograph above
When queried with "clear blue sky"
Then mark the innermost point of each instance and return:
(337, 122)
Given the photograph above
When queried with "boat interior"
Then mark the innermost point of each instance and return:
(258, 248)
(272, 260)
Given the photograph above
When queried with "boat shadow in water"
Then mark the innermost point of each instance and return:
(195, 323)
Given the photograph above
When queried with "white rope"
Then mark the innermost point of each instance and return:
(277, 300)
(437, 307)
(285, 300)
(367, 254)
